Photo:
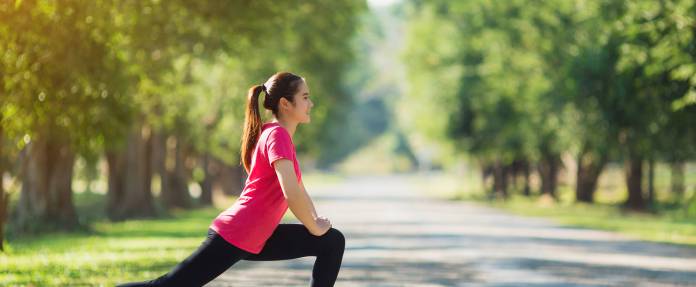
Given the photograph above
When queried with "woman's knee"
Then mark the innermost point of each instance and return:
(335, 238)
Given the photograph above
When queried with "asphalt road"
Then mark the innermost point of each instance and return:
(398, 236)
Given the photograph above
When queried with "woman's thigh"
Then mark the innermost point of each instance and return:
(211, 259)
(290, 241)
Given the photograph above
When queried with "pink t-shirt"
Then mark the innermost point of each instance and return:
(251, 220)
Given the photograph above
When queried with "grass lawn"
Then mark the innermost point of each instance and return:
(666, 223)
(108, 253)
(111, 253)
(667, 226)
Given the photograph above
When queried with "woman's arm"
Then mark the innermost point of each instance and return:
(298, 200)
(314, 211)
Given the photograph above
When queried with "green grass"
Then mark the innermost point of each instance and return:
(106, 253)
(109, 254)
(667, 226)
(667, 222)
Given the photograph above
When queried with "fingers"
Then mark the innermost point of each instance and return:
(327, 221)
(324, 220)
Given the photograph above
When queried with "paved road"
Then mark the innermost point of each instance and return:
(396, 236)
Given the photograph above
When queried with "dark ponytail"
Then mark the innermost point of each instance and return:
(252, 125)
(280, 85)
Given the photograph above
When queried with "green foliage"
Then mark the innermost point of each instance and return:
(484, 86)
(368, 113)
(519, 79)
(60, 77)
(85, 70)
(657, 51)
(322, 53)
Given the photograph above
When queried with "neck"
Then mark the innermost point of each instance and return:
(290, 126)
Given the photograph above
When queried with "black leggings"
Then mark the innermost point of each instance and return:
(288, 241)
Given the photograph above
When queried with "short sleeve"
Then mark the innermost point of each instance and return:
(279, 145)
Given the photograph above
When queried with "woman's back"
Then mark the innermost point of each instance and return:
(260, 207)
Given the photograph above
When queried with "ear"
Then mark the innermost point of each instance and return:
(284, 103)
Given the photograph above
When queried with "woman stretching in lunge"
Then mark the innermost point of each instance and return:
(250, 229)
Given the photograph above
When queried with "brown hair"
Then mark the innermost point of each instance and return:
(280, 85)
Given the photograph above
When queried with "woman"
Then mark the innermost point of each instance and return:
(250, 229)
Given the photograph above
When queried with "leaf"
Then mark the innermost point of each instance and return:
(683, 72)
(688, 99)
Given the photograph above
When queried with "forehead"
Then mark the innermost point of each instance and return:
(303, 88)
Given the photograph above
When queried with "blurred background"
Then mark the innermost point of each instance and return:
(120, 115)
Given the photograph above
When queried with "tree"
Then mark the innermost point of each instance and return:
(63, 88)
(183, 106)
(91, 78)
(485, 84)
(657, 72)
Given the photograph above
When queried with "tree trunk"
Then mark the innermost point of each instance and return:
(677, 179)
(206, 161)
(548, 171)
(180, 177)
(651, 181)
(174, 192)
(159, 161)
(590, 166)
(527, 186)
(486, 172)
(46, 197)
(522, 166)
(4, 198)
(634, 177)
(227, 178)
(130, 177)
(207, 182)
(500, 181)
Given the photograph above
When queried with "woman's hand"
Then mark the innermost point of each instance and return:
(323, 225)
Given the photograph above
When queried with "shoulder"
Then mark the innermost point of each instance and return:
(277, 133)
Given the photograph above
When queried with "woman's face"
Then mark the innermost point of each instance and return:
(299, 109)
